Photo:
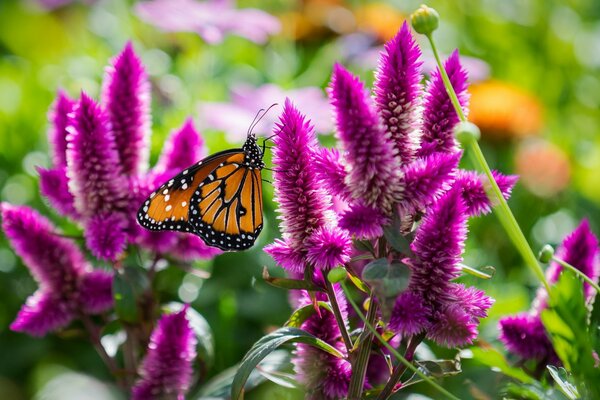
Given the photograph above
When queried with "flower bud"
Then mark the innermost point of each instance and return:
(546, 254)
(425, 20)
(466, 132)
(336, 275)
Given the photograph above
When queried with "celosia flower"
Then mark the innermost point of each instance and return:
(524, 334)
(397, 92)
(325, 377)
(211, 19)
(448, 312)
(67, 284)
(474, 187)
(304, 206)
(439, 116)
(166, 370)
(183, 148)
(126, 98)
(233, 117)
(373, 173)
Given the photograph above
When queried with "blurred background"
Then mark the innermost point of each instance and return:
(535, 73)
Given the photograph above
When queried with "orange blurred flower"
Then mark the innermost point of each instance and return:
(380, 19)
(504, 111)
(543, 167)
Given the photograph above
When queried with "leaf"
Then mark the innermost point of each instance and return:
(206, 344)
(358, 283)
(363, 245)
(387, 280)
(394, 237)
(493, 358)
(128, 286)
(561, 376)
(436, 369)
(285, 283)
(303, 313)
(219, 387)
(268, 344)
(486, 272)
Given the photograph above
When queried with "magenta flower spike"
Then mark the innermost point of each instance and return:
(473, 187)
(372, 164)
(523, 334)
(166, 370)
(94, 171)
(67, 284)
(363, 221)
(126, 98)
(54, 186)
(330, 169)
(183, 148)
(439, 116)
(398, 90)
(63, 105)
(303, 204)
(324, 376)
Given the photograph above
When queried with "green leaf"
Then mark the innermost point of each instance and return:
(128, 287)
(219, 387)
(561, 377)
(363, 245)
(394, 237)
(436, 369)
(387, 280)
(356, 281)
(206, 344)
(493, 358)
(285, 283)
(268, 344)
(303, 313)
(486, 272)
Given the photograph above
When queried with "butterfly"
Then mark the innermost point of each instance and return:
(219, 198)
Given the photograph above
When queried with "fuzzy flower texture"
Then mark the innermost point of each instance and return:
(397, 158)
(99, 177)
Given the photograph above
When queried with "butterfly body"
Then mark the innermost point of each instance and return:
(218, 198)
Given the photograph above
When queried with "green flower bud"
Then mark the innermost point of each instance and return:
(425, 20)
(466, 132)
(336, 275)
(546, 254)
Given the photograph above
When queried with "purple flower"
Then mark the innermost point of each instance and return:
(211, 19)
(324, 376)
(126, 98)
(54, 186)
(94, 171)
(397, 92)
(234, 117)
(304, 206)
(439, 116)
(373, 168)
(105, 235)
(59, 119)
(166, 370)
(409, 315)
(474, 187)
(328, 248)
(67, 284)
(330, 169)
(183, 148)
(524, 334)
(362, 221)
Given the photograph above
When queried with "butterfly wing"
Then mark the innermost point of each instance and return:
(226, 210)
(167, 208)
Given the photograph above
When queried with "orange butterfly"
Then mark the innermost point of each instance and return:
(218, 199)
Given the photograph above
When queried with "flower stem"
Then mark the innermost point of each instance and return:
(577, 272)
(401, 368)
(393, 350)
(338, 314)
(360, 363)
(503, 211)
(94, 335)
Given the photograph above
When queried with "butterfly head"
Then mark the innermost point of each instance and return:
(253, 153)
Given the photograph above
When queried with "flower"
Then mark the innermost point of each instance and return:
(304, 206)
(474, 186)
(524, 334)
(166, 370)
(439, 116)
(544, 168)
(212, 20)
(67, 284)
(503, 111)
(397, 92)
(324, 376)
(126, 98)
(234, 117)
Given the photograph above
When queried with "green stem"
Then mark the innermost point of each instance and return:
(338, 314)
(393, 350)
(503, 211)
(577, 272)
(401, 368)
(360, 363)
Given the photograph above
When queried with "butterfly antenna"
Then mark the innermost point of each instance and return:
(258, 118)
